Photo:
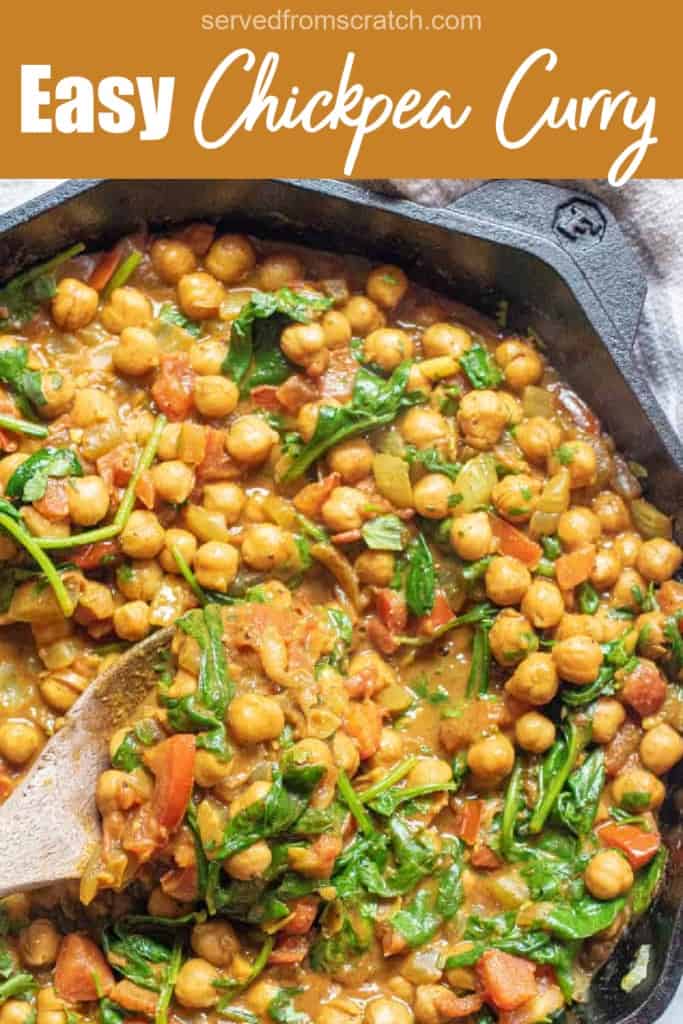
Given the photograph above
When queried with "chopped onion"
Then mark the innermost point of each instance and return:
(392, 477)
(544, 524)
(623, 481)
(649, 521)
(474, 484)
(538, 402)
(555, 496)
(638, 970)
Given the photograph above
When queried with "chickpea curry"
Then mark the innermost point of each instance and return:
(404, 759)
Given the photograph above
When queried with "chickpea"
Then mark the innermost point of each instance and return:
(507, 580)
(58, 391)
(521, 363)
(471, 535)
(669, 596)
(578, 526)
(386, 285)
(580, 625)
(627, 545)
(608, 717)
(200, 295)
(255, 719)
(391, 748)
(172, 259)
(612, 512)
(345, 753)
(375, 568)
(514, 497)
(373, 664)
(384, 1010)
(534, 732)
(173, 481)
(343, 510)
(443, 339)
(18, 1011)
(606, 568)
(139, 581)
(608, 875)
(659, 559)
(74, 304)
(430, 771)
(627, 589)
(337, 329)
(207, 357)
(279, 270)
(641, 784)
(387, 347)
(230, 258)
(225, 497)
(303, 343)
(137, 352)
(19, 741)
(492, 758)
(482, 417)
(195, 986)
(250, 440)
(131, 620)
(511, 637)
(216, 565)
(249, 863)
(215, 396)
(579, 458)
(267, 547)
(127, 307)
(538, 438)
(578, 659)
(39, 943)
(543, 604)
(352, 459)
(92, 406)
(424, 428)
(215, 941)
(142, 536)
(88, 498)
(363, 315)
(431, 494)
(661, 748)
(534, 681)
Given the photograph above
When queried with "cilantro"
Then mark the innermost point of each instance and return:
(21, 297)
(170, 314)
(384, 533)
(28, 482)
(481, 368)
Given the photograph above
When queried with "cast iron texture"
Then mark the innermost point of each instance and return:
(560, 261)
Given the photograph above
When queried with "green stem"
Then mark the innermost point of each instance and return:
(510, 811)
(576, 740)
(389, 780)
(172, 971)
(124, 270)
(481, 613)
(31, 546)
(125, 508)
(352, 801)
(17, 426)
(478, 679)
(188, 576)
(44, 268)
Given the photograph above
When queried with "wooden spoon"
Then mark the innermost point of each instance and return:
(49, 826)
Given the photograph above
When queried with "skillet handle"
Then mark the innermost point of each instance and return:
(574, 232)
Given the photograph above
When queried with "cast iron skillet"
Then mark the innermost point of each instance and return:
(563, 265)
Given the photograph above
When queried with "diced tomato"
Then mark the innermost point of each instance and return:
(575, 567)
(311, 498)
(485, 859)
(174, 386)
(91, 556)
(303, 916)
(622, 747)
(363, 721)
(172, 762)
(181, 883)
(81, 974)
(638, 845)
(105, 267)
(134, 998)
(440, 614)
(514, 543)
(7, 442)
(117, 466)
(216, 464)
(296, 391)
(508, 981)
(265, 396)
(392, 609)
(393, 942)
(644, 688)
(289, 949)
(54, 504)
(380, 637)
(145, 491)
(438, 1003)
(468, 821)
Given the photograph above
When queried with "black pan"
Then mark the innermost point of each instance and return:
(561, 262)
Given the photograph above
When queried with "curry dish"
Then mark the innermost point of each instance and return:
(404, 759)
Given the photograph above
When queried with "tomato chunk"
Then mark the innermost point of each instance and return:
(638, 845)
(468, 821)
(508, 981)
(574, 568)
(173, 388)
(440, 614)
(391, 609)
(81, 970)
(172, 762)
(644, 688)
(514, 543)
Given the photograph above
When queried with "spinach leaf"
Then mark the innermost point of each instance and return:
(143, 734)
(421, 577)
(417, 922)
(647, 881)
(581, 918)
(555, 769)
(339, 655)
(137, 957)
(349, 939)
(481, 368)
(26, 385)
(281, 1008)
(264, 819)
(374, 402)
(170, 314)
(384, 533)
(432, 460)
(254, 356)
(21, 297)
(577, 804)
(387, 803)
(28, 482)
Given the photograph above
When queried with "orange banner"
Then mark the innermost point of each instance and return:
(473, 89)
